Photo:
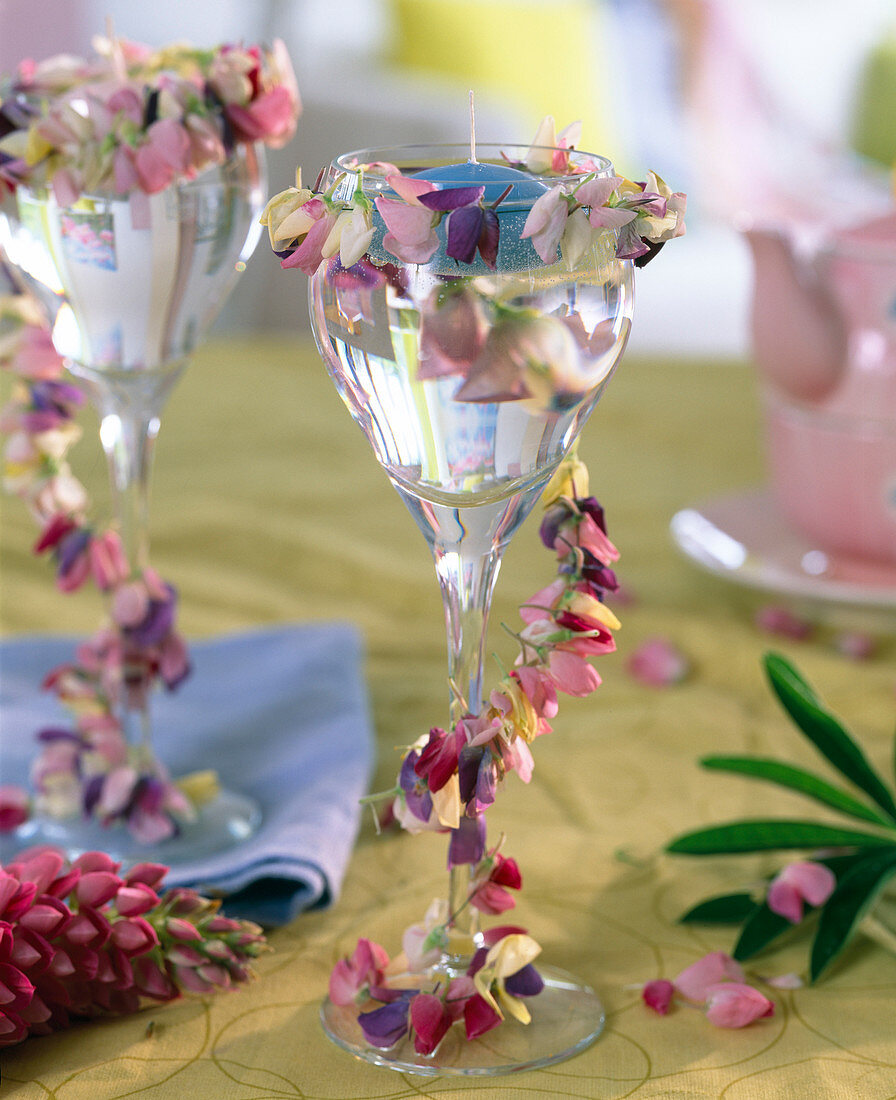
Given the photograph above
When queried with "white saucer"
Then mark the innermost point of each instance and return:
(743, 537)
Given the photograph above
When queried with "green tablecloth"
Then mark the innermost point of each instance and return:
(268, 507)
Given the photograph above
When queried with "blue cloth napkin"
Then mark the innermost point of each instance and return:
(281, 714)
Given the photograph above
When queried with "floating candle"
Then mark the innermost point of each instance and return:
(494, 177)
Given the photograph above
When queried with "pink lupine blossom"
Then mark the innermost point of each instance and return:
(14, 807)
(490, 885)
(717, 983)
(695, 981)
(352, 978)
(411, 236)
(658, 662)
(546, 222)
(800, 882)
(734, 1004)
(774, 619)
(453, 330)
(658, 995)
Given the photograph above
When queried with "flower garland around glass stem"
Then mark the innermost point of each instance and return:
(89, 768)
(132, 120)
(449, 779)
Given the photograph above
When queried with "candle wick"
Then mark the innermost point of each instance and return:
(472, 130)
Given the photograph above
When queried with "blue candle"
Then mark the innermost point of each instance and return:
(520, 190)
(494, 177)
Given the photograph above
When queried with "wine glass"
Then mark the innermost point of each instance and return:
(131, 286)
(471, 383)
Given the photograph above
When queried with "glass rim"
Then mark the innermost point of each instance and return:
(422, 156)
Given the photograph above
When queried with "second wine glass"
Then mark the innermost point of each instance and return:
(130, 292)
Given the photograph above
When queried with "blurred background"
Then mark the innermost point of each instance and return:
(754, 107)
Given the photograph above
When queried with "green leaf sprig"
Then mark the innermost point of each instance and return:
(864, 860)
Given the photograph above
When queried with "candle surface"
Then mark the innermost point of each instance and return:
(494, 177)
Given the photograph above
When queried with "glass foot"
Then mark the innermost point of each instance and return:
(226, 821)
(566, 1018)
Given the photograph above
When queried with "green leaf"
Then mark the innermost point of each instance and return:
(767, 835)
(854, 895)
(724, 909)
(796, 779)
(825, 731)
(759, 931)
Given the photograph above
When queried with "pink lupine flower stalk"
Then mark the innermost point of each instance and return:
(88, 939)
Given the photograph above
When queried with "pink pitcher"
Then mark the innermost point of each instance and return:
(824, 337)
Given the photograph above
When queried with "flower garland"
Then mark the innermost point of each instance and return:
(131, 121)
(306, 228)
(84, 940)
(449, 779)
(91, 768)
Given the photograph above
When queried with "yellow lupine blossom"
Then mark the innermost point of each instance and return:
(581, 603)
(508, 956)
(570, 480)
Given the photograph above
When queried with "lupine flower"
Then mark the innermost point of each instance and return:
(774, 619)
(473, 228)
(546, 223)
(467, 843)
(695, 981)
(477, 774)
(438, 758)
(453, 330)
(717, 982)
(350, 236)
(383, 1027)
(734, 1004)
(658, 995)
(493, 975)
(85, 940)
(415, 789)
(411, 236)
(423, 943)
(492, 879)
(430, 1017)
(352, 978)
(310, 252)
(531, 358)
(14, 807)
(547, 152)
(284, 216)
(512, 708)
(803, 881)
(658, 663)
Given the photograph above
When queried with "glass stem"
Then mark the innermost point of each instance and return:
(129, 405)
(467, 545)
(128, 441)
(467, 579)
